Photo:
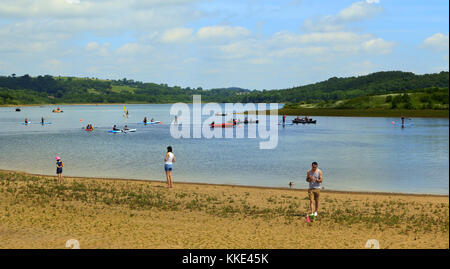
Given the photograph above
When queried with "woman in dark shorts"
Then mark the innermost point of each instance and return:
(168, 160)
(59, 167)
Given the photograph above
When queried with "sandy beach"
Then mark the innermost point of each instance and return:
(37, 212)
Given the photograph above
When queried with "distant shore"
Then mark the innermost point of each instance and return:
(419, 113)
(37, 212)
(397, 113)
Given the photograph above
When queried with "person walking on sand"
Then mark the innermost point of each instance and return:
(59, 168)
(314, 177)
(168, 161)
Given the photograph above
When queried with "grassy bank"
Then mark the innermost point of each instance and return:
(425, 113)
(37, 212)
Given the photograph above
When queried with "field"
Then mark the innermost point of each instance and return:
(37, 212)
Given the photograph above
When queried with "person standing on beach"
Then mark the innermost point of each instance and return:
(59, 168)
(168, 161)
(314, 177)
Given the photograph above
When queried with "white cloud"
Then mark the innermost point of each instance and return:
(222, 32)
(356, 12)
(177, 35)
(132, 49)
(378, 46)
(98, 49)
(437, 42)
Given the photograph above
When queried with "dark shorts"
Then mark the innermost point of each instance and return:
(59, 170)
(168, 167)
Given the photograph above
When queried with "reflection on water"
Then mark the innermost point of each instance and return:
(358, 154)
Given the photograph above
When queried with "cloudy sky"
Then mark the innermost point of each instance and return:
(206, 43)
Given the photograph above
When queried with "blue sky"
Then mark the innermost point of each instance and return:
(205, 43)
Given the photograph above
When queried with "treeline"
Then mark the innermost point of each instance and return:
(335, 88)
(57, 90)
(25, 89)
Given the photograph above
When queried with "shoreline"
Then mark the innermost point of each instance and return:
(382, 193)
(328, 112)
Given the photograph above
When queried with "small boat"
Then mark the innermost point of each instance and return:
(303, 121)
(251, 121)
(17, 109)
(57, 111)
(89, 130)
(122, 131)
(221, 125)
(150, 122)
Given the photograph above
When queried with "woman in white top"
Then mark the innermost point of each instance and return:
(170, 158)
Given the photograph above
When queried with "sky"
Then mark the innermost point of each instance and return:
(231, 43)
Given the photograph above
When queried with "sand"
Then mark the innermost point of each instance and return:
(37, 212)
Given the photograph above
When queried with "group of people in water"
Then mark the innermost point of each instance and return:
(27, 121)
(89, 127)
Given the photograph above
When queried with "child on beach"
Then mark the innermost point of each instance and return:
(59, 167)
(168, 160)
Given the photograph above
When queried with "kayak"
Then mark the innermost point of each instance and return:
(57, 111)
(89, 130)
(150, 122)
(221, 125)
(122, 131)
(129, 130)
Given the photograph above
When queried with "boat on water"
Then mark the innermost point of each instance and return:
(221, 125)
(58, 110)
(122, 131)
(304, 121)
(18, 110)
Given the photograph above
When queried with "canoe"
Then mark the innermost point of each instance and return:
(221, 125)
(129, 130)
(150, 122)
(304, 122)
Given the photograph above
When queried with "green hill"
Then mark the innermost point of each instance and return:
(17, 90)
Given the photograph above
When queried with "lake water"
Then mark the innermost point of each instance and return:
(355, 154)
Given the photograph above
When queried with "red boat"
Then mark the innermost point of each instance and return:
(222, 125)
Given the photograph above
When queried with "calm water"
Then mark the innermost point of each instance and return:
(357, 154)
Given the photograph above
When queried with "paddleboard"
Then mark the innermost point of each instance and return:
(26, 123)
(43, 123)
